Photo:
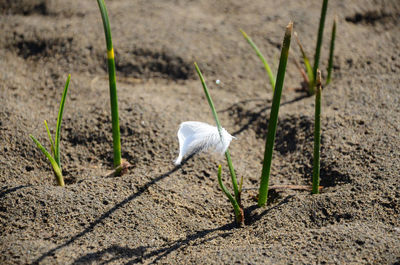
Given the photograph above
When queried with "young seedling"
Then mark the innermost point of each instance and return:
(320, 36)
(238, 214)
(262, 58)
(273, 120)
(119, 165)
(309, 71)
(312, 72)
(317, 135)
(331, 49)
(239, 218)
(54, 156)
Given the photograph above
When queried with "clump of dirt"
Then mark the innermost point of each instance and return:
(159, 213)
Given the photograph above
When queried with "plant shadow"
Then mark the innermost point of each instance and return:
(4, 191)
(255, 117)
(329, 176)
(107, 214)
(138, 255)
(252, 216)
(293, 134)
(114, 253)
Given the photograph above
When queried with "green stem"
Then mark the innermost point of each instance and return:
(227, 154)
(50, 138)
(317, 136)
(59, 120)
(236, 207)
(320, 36)
(56, 168)
(264, 61)
(309, 70)
(233, 175)
(113, 85)
(331, 49)
(269, 145)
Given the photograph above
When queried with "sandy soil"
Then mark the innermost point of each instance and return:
(158, 213)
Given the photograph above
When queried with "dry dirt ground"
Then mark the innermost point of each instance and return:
(159, 213)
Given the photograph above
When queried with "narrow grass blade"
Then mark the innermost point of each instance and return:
(210, 102)
(214, 112)
(320, 36)
(269, 146)
(301, 70)
(264, 61)
(236, 207)
(56, 168)
(309, 70)
(331, 50)
(50, 138)
(113, 85)
(241, 185)
(317, 135)
(59, 120)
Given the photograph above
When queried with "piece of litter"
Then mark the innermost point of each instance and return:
(195, 136)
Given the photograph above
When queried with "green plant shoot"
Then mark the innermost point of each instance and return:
(236, 207)
(273, 120)
(113, 87)
(227, 153)
(54, 156)
(320, 36)
(59, 120)
(236, 199)
(264, 61)
(331, 50)
(307, 64)
(317, 135)
(312, 72)
(56, 168)
(50, 138)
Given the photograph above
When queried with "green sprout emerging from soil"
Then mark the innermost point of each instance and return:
(263, 191)
(262, 58)
(310, 78)
(237, 190)
(236, 207)
(277, 89)
(331, 49)
(54, 156)
(317, 135)
(119, 164)
(273, 120)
